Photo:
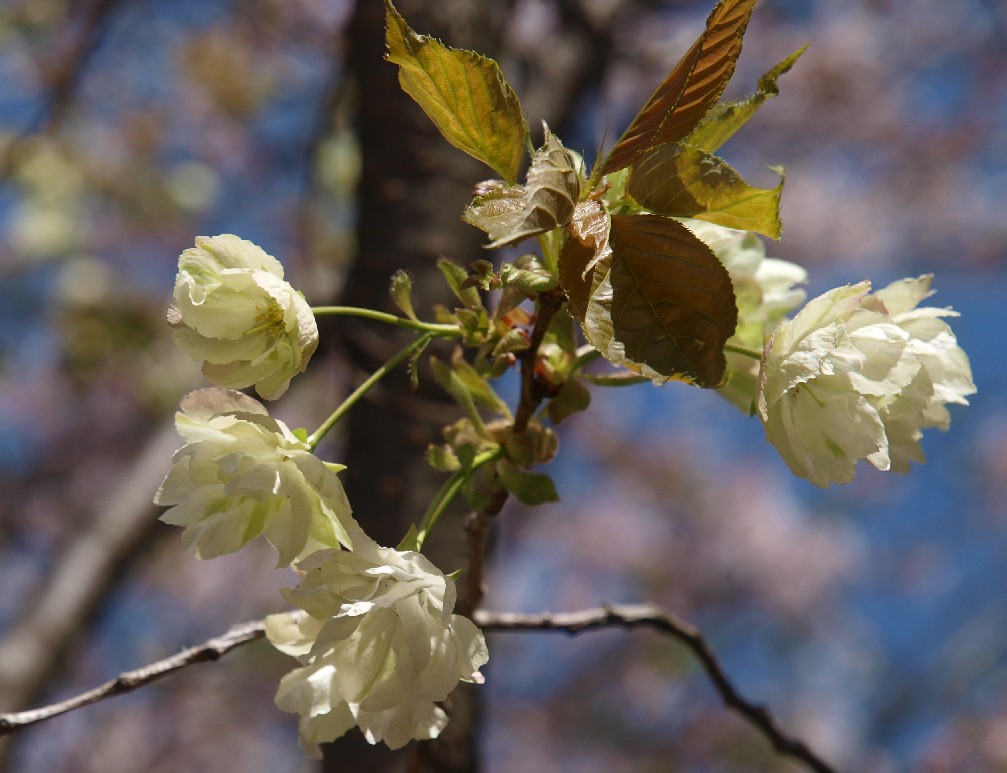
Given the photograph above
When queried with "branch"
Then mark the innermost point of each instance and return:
(210, 650)
(650, 616)
(610, 616)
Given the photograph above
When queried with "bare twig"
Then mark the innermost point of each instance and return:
(650, 616)
(32, 645)
(612, 616)
(130, 680)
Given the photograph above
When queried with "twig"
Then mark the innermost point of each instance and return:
(650, 616)
(611, 616)
(476, 528)
(34, 644)
(532, 393)
(130, 680)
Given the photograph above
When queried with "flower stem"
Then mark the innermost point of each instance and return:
(446, 331)
(415, 346)
(447, 492)
(755, 354)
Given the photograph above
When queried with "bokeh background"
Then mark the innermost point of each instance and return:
(871, 618)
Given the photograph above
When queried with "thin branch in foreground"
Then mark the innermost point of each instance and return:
(613, 616)
(649, 616)
(210, 650)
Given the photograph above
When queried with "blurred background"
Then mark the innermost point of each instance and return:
(871, 618)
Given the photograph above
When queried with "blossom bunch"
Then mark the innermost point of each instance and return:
(379, 644)
(859, 375)
(233, 310)
(243, 473)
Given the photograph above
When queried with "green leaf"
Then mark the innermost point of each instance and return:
(679, 180)
(720, 124)
(442, 458)
(462, 92)
(572, 398)
(527, 273)
(691, 89)
(478, 387)
(410, 541)
(510, 214)
(456, 277)
(452, 383)
(401, 289)
(530, 488)
(657, 302)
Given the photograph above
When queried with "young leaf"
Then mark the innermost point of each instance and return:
(401, 289)
(679, 180)
(528, 273)
(449, 379)
(530, 488)
(720, 124)
(692, 88)
(463, 93)
(660, 303)
(478, 387)
(456, 277)
(410, 541)
(510, 214)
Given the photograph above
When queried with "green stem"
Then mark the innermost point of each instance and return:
(447, 331)
(755, 354)
(447, 492)
(316, 437)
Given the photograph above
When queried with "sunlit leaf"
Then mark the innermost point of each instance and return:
(683, 181)
(692, 88)
(462, 92)
(725, 119)
(527, 273)
(510, 213)
(659, 303)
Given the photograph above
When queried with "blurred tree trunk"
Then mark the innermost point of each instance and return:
(412, 191)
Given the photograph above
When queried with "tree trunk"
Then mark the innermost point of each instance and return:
(413, 188)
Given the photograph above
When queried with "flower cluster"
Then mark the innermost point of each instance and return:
(857, 375)
(242, 474)
(765, 291)
(379, 644)
(233, 310)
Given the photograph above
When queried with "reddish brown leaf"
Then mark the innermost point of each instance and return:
(692, 88)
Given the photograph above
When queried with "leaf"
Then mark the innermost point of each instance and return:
(659, 303)
(530, 488)
(692, 88)
(683, 181)
(510, 214)
(527, 273)
(401, 289)
(456, 277)
(478, 387)
(572, 398)
(462, 92)
(410, 541)
(720, 124)
(453, 384)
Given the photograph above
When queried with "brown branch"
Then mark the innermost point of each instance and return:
(210, 650)
(476, 528)
(611, 616)
(532, 392)
(650, 616)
